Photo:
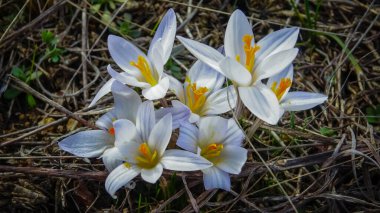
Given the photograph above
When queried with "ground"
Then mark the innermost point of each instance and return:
(53, 61)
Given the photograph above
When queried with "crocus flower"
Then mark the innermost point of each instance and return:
(246, 63)
(143, 149)
(219, 141)
(140, 70)
(291, 101)
(202, 92)
(101, 143)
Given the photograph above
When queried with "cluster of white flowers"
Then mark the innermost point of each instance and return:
(133, 137)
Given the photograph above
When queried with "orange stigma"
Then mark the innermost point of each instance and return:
(146, 158)
(212, 152)
(285, 83)
(249, 52)
(196, 97)
(111, 131)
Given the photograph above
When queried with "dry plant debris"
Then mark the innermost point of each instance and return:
(53, 61)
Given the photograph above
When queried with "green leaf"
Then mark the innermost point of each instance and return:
(47, 36)
(373, 114)
(55, 58)
(112, 5)
(106, 17)
(174, 68)
(95, 8)
(11, 93)
(292, 120)
(31, 101)
(35, 75)
(18, 73)
(327, 131)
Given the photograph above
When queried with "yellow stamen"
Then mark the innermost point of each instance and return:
(196, 97)
(126, 164)
(249, 52)
(238, 58)
(187, 79)
(144, 68)
(285, 83)
(146, 158)
(212, 152)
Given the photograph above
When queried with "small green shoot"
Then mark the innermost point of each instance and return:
(27, 77)
(174, 68)
(326, 131)
(292, 120)
(373, 114)
(96, 5)
(31, 101)
(49, 38)
(126, 28)
(51, 41)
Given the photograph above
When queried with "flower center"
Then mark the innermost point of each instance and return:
(196, 97)
(143, 66)
(212, 152)
(111, 131)
(249, 52)
(146, 158)
(285, 83)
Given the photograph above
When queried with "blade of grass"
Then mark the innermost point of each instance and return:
(352, 58)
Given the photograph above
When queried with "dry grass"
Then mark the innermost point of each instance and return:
(319, 160)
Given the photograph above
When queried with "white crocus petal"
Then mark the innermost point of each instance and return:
(296, 101)
(177, 88)
(277, 41)
(236, 72)
(232, 159)
(156, 59)
(126, 78)
(215, 178)
(180, 160)
(105, 121)
(129, 151)
(91, 143)
(188, 137)
(262, 102)
(165, 34)
(125, 131)
(237, 27)
(287, 73)
(274, 64)
(180, 113)
(158, 91)
(205, 53)
(234, 135)
(194, 118)
(153, 174)
(119, 177)
(145, 120)
(220, 101)
(160, 136)
(212, 130)
(127, 101)
(112, 158)
(123, 53)
(106, 88)
(205, 76)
